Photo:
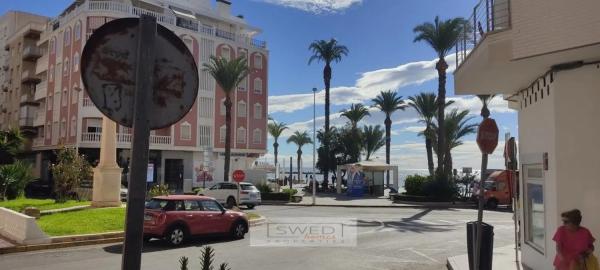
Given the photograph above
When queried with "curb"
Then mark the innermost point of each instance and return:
(441, 206)
(89, 239)
(62, 210)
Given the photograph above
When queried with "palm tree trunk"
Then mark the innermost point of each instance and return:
(441, 67)
(275, 152)
(448, 157)
(429, 149)
(227, 137)
(327, 81)
(298, 161)
(388, 141)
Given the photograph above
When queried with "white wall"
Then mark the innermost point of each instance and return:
(21, 228)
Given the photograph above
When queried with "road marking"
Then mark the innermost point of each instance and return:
(423, 255)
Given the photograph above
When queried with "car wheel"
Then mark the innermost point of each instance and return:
(176, 236)
(250, 206)
(238, 230)
(230, 203)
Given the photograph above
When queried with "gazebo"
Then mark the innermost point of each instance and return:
(374, 170)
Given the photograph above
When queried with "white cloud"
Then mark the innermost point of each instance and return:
(414, 129)
(366, 87)
(316, 6)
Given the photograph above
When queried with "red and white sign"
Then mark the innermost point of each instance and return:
(487, 136)
(238, 175)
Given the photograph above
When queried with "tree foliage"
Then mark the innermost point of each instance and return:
(68, 171)
(14, 178)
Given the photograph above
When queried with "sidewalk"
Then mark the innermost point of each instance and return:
(504, 258)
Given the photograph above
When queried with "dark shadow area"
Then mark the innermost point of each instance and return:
(409, 224)
(157, 245)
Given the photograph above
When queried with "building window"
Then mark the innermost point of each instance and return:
(63, 128)
(65, 98)
(51, 73)
(49, 103)
(94, 125)
(48, 130)
(205, 135)
(66, 67)
(257, 111)
(226, 53)
(73, 126)
(241, 109)
(257, 136)
(241, 135)
(206, 107)
(258, 61)
(52, 45)
(222, 131)
(222, 108)
(535, 231)
(185, 131)
(258, 86)
(243, 84)
(77, 31)
(76, 62)
(68, 37)
(74, 95)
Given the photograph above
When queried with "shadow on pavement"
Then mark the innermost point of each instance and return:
(409, 224)
(157, 245)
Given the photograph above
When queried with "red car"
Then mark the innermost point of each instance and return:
(177, 217)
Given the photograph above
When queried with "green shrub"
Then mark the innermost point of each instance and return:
(292, 191)
(264, 188)
(414, 184)
(14, 178)
(158, 190)
(70, 169)
(441, 189)
(206, 260)
(197, 190)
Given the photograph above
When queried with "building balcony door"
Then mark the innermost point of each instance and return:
(174, 174)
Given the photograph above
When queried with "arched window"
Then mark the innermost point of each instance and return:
(258, 111)
(63, 128)
(258, 87)
(241, 109)
(222, 131)
(258, 61)
(74, 94)
(185, 131)
(257, 136)
(67, 39)
(226, 53)
(66, 67)
(241, 135)
(52, 46)
(73, 126)
(76, 62)
(77, 30)
(65, 97)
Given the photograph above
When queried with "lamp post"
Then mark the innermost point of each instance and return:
(314, 185)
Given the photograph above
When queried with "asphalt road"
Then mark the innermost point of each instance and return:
(399, 238)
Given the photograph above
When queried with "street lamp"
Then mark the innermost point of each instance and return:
(314, 184)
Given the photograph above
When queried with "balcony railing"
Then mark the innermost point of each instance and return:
(110, 6)
(41, 90)
(28, 76)
(94, 137)
(31, 52)
(488, 16)
(87, 102)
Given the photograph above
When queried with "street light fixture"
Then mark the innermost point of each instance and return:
(314, 184)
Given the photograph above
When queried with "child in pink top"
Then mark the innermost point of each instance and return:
(573, 242)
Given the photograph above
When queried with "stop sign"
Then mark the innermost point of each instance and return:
(238, 175)
(487, 136)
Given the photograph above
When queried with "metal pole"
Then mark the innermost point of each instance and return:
(484, 161)
(134, 221)
(314, 186)
(291, 173)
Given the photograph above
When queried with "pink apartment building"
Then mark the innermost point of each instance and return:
(64, 115)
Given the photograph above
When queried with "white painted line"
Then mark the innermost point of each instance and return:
(424, 256)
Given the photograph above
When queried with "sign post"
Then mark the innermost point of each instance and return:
(130, 68)
(487, 140)
(238, 176)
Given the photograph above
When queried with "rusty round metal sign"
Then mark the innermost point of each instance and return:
(487, 136)
(108, 68)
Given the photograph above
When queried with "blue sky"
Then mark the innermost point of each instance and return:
(382, 56)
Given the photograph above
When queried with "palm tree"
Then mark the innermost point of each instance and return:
(11, 143)
(426, 106)
(328, 52)
(441, 36)
(300, 139)
(388, 102)
(275, 129)
(356, 113)
(227, 74)
(373, 139)
(457, 126)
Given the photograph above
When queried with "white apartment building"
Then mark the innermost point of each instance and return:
(544, 57)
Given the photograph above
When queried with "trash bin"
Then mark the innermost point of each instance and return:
(487, 245)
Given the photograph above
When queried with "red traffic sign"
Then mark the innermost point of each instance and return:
(487, 136)
(108, 72)
(238, 175)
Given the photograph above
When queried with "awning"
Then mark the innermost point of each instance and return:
(182, 12)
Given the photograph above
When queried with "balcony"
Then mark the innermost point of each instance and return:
(41, 90)
(40, 118)
(26, 126)
(124, 140)
(31, 53)
(28, 76)
(41, 65)
(28, 100)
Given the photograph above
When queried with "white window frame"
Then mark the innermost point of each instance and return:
(63, 128)
(258, 111)
(66, 66)
(74, 94)
(258, 61)
(51, 73)
(76, 62)
(257, 82)
(257, 136)
(225, 55)
(184, 128)
(67, 37)
(243, 84)
(73, 126)
(533, 180)
(222, 131)
(77, 30)
(242, 112)
(239, 132)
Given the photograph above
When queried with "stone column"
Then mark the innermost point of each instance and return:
(107, 175)
(396, 178)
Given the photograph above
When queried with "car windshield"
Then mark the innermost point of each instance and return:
(248, 187)
(156, 204)
(488, 185)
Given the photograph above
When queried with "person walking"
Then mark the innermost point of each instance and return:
(574, 244)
